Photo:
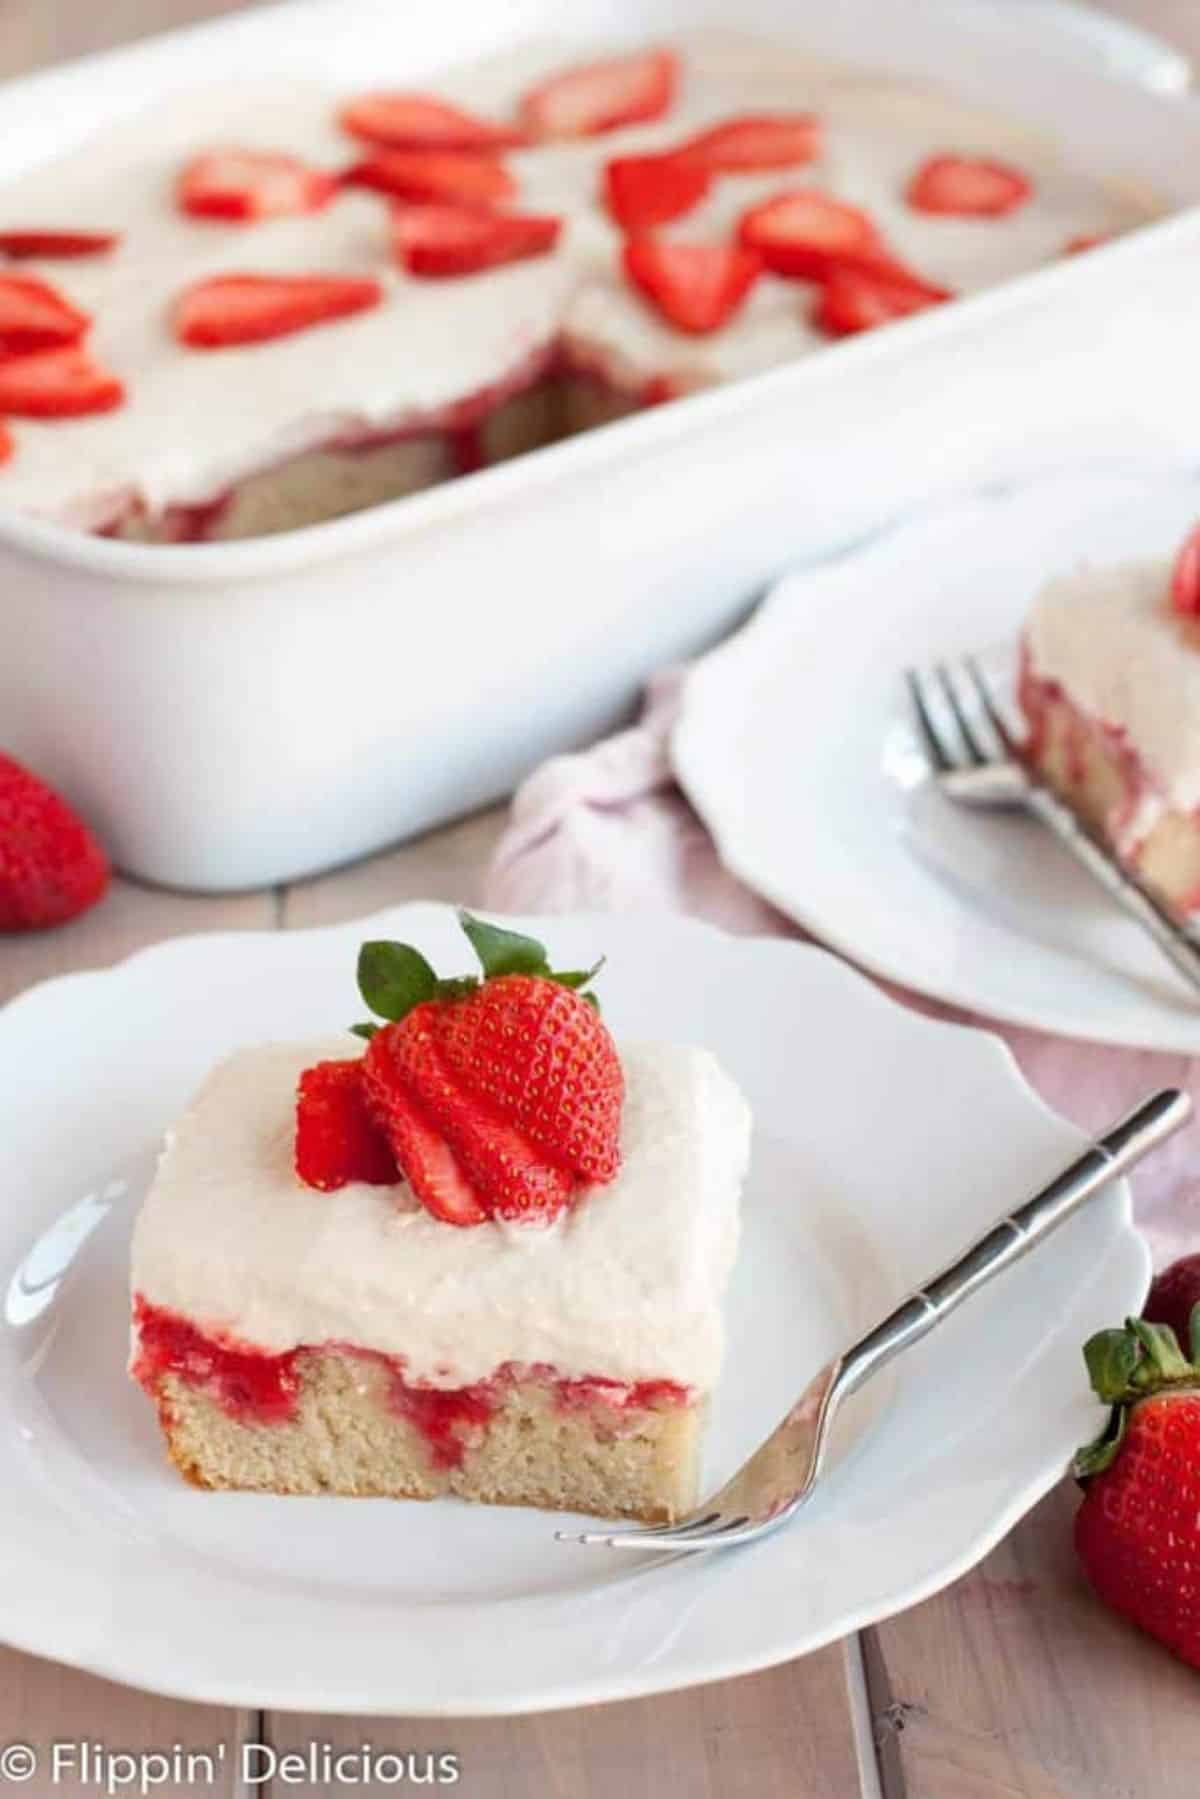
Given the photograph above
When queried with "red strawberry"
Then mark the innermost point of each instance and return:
(970, 187)
(500, 1098)
(421, 122)
(51, 866)
(337, 1139)
(855, 300)
(508, 1176)
(758, 141)
(644, 191)
(248, 309)
(7, 446)
(58, 384)
(244, 185)
(50, 244)
(698, 287)
(599, 96)
(805, 233)
(34, 316)
(1087, 240)
(425, 1157)
(440, 241)
(1174, 1295)
(1185, 577)
(460, 176)
(1137, 1532)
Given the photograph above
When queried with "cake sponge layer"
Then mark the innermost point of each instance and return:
(348, 1435)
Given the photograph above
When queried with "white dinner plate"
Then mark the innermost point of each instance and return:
(883, 1142)
(796, 745)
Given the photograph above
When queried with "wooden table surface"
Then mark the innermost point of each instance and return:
(1011, 1683)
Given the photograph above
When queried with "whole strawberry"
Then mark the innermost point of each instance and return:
(1174, 1295)
(499, 1097)
(1137, 1532)
(51, 866)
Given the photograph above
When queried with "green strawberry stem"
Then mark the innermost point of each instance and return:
(1124, 1366)
(393, 978)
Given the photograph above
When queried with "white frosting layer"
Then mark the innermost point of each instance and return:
(1111, 641)
(196, 422)
(627, 1284)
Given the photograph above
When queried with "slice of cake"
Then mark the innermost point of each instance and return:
(485, 1255)
(1110, 689)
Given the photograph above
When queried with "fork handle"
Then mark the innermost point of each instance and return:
(1015, 1235)
(1177, 943)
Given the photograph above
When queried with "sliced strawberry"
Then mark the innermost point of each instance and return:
(855, 300)
(514, 1178)
(426, 1159)
(1087, 240)
(21, 245)
(972, 187)
(644, 191)
(421, 122)
(35, 316)
(249, 309)
(337, 1138)
(1185, 577)
(599, 96)
(463, 177)
(758, 141)
(7, 445)
(805, 233)
(57, 384)
(697, 287)
(244, 185)
(438, 241)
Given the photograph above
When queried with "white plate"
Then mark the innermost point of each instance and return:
(796, 746)
(883, 1142)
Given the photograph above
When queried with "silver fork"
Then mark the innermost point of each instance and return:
(780, 1476)
(977, 762)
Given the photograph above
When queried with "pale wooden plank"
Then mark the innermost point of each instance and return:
(128, 918)
(447, 864)
(1017, 1683)
(785, 1734)
(44, 1704)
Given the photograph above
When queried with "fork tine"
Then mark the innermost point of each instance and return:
(989, 705)
(975, 749)
(935, 749)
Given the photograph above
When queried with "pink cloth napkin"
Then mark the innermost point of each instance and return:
(609, 829)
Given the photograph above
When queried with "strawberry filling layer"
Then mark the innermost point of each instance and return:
(1046, 705)
(256, 1388)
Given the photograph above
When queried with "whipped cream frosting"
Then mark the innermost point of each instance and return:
(1109, 638)
(627, 1284)
(195, 423)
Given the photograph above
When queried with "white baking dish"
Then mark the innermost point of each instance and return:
(234, 714)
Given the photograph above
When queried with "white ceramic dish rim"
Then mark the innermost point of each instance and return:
(626, 440)
(1126, 1264)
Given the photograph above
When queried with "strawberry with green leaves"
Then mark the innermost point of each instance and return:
(1137, 1532)
(499, 1095)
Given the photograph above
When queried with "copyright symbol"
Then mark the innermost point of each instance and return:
(17, 1762)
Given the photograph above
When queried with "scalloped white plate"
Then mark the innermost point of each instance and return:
(796, 746)
(883, 1142)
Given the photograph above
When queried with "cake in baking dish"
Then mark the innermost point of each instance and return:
(265, 306)
(483, 1256)
(1110, 690)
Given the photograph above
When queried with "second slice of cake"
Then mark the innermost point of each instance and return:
(371, 1335)
(1110, 690)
